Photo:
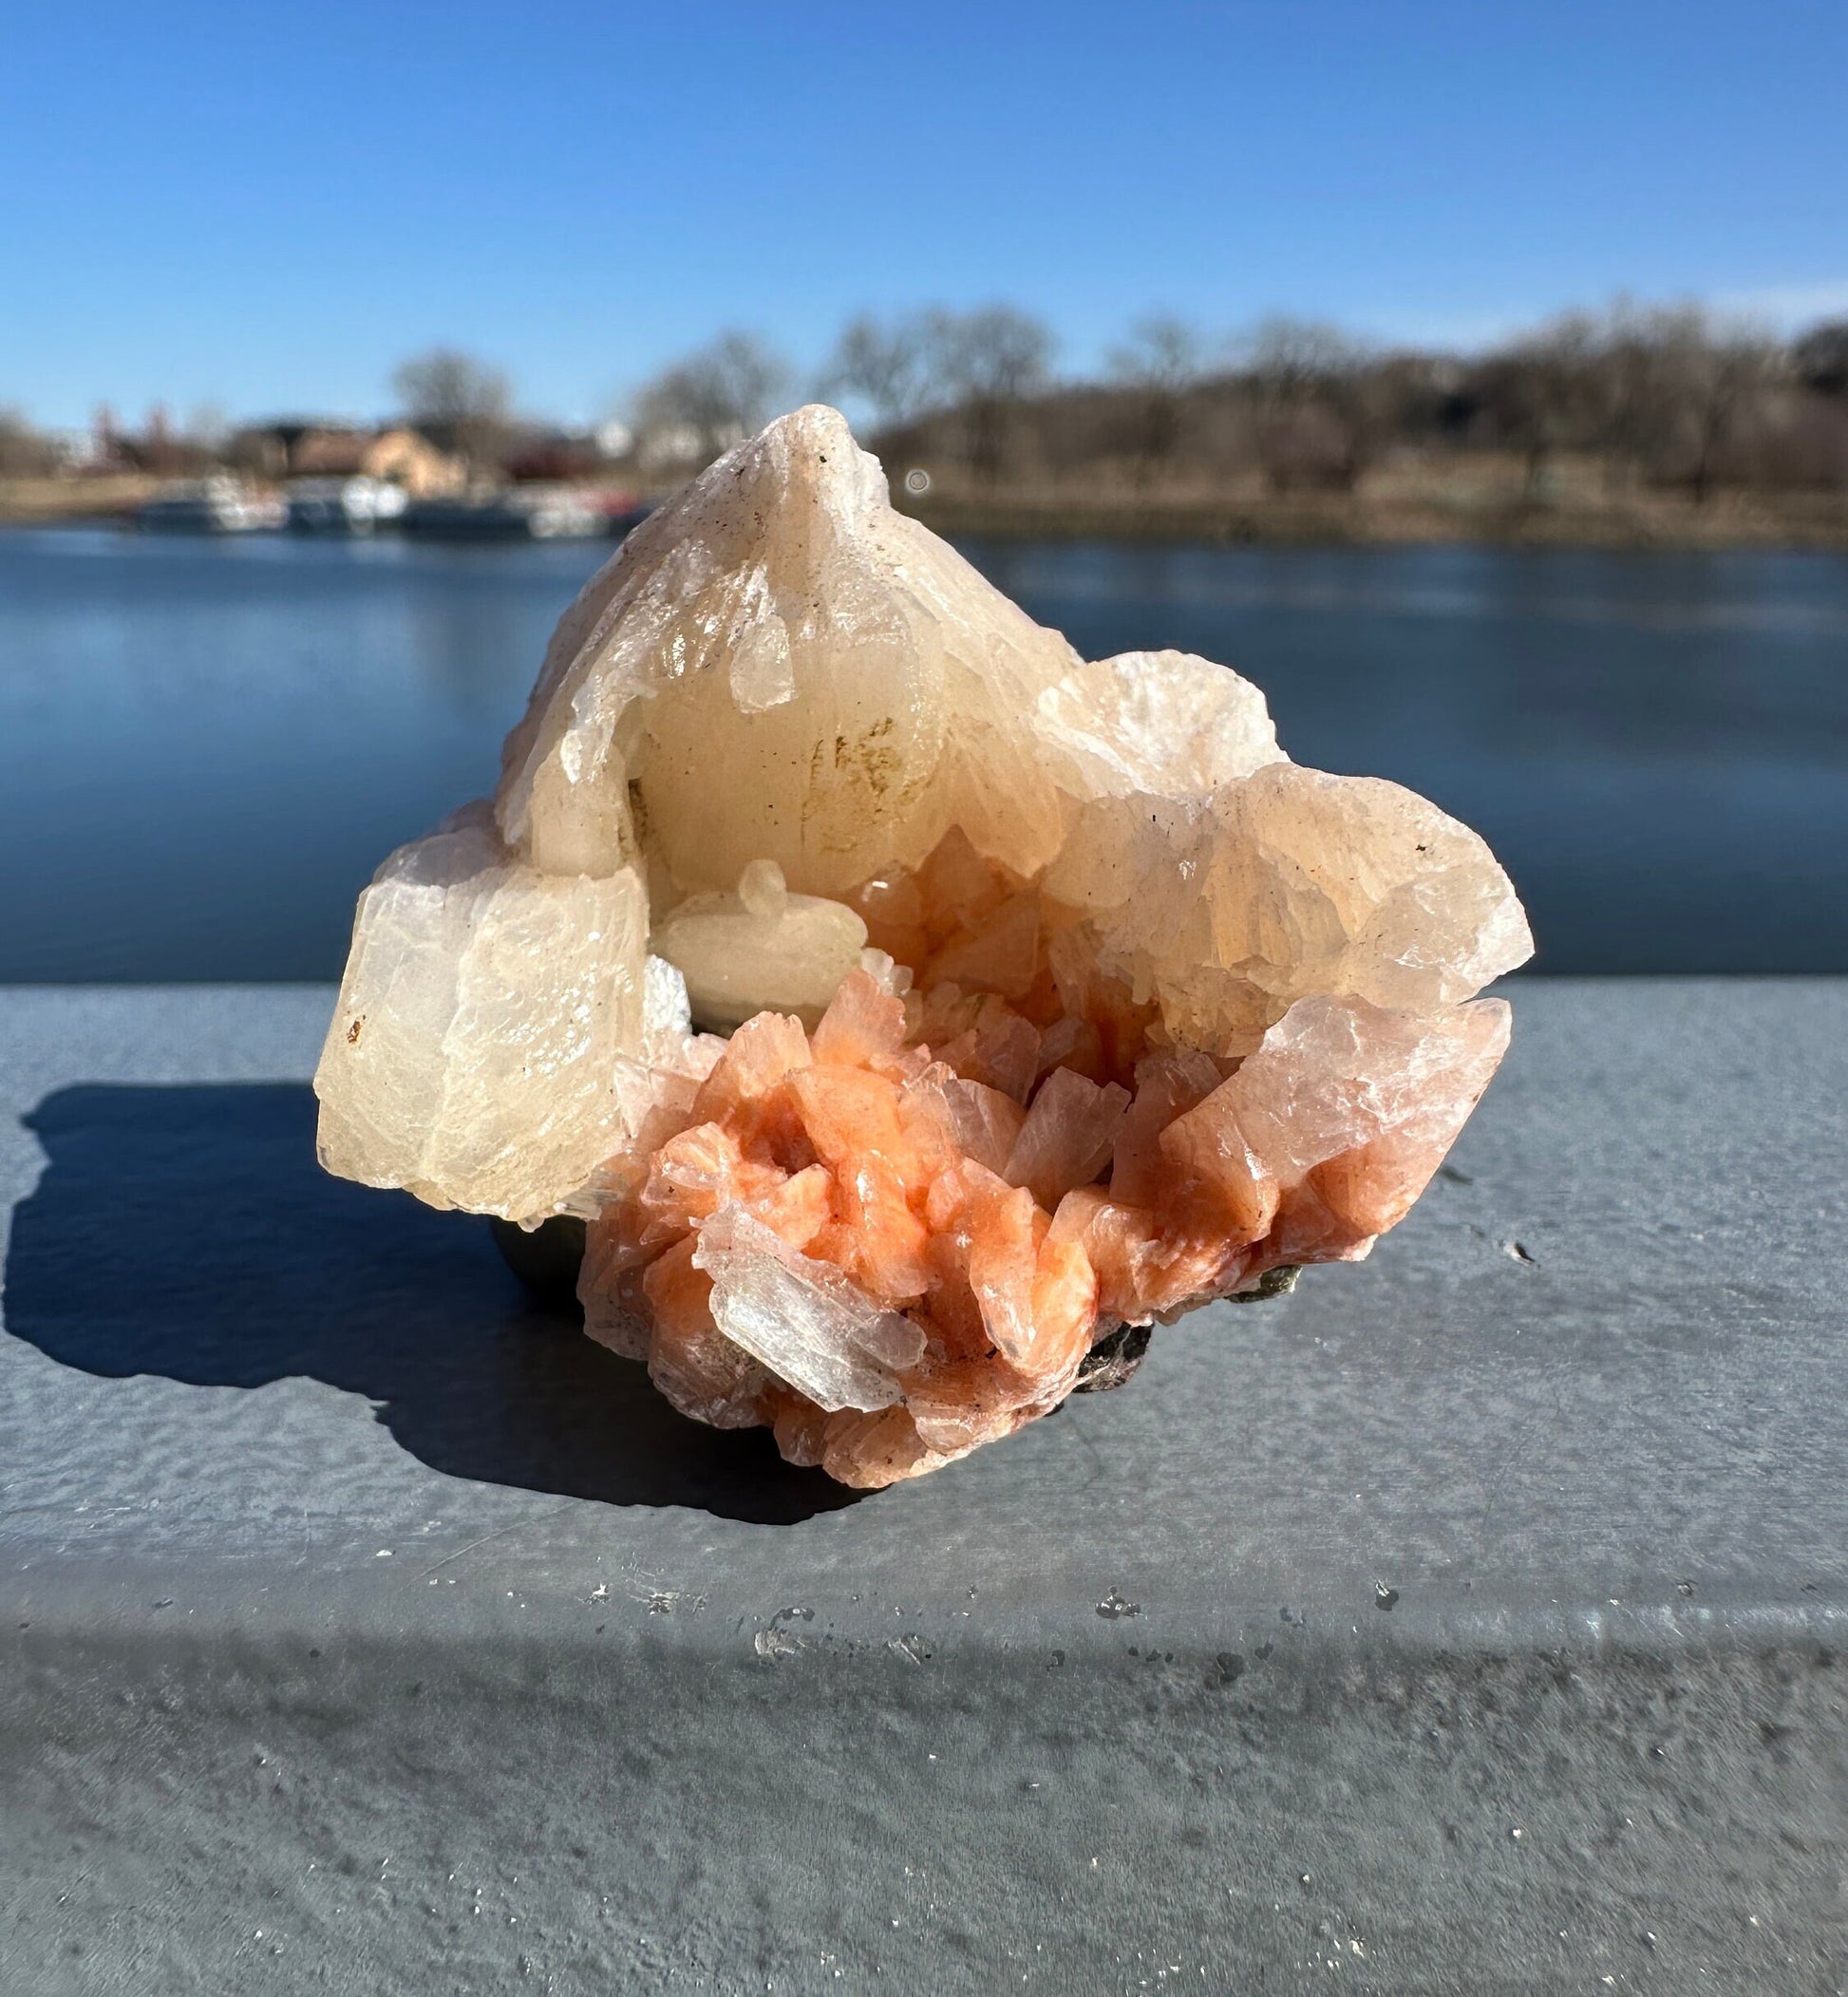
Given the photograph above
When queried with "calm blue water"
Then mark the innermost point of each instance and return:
(205, 747)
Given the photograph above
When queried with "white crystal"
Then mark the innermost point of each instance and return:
(1166, 723)
(472, 1056)
(1228, 908)
(803, 1319)
(900, 680)
(1122, 1008)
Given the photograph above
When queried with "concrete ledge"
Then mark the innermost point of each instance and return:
(1467, 1620)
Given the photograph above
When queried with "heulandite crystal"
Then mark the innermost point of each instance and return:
(1059, 1001)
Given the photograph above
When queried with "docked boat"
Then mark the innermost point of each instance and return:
(535, 513)
(216, 505)
(623, 513)
(355, 505)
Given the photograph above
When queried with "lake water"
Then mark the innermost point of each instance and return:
(205, 747)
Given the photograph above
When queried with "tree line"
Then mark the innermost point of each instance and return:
(1654, 396)
(1648, 396)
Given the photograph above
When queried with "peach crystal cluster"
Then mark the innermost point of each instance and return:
(1058, 1000)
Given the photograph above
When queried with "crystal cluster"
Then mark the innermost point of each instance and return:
(906, 1005)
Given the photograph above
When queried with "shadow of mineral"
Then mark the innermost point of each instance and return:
(188, 1231)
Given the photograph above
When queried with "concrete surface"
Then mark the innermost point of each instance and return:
(1468, 1621)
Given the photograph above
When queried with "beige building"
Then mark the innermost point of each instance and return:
(288, 450)
(399, 455)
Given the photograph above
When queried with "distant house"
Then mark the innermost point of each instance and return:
(311, 450)
(549, 456)
(400, 455)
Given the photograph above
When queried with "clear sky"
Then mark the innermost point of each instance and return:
(268, 205)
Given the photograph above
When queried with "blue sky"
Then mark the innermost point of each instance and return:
(268, 206)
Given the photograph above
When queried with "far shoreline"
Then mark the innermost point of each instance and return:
(1490, 515)
(1342, 521)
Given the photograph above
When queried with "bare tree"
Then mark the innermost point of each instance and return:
(1368, 399)
(1820, 358)
(1660, 390)
(717, 396)
(883, 364)
(459, 402)
(987, 363)
(1666, 386)
(1720, 373)
(1635, 368)
(1293, 365)
(24, 453)
(1541, 391)
(1160, 361)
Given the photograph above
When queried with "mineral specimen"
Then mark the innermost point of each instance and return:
(1058, 999)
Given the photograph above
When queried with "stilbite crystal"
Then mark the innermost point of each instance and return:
(1059, 999)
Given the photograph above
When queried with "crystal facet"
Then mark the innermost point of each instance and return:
(1058, 999)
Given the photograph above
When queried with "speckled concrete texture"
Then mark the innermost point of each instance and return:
(1466, 1621)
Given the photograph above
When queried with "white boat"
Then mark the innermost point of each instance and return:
(561, 514)
(216, 505)
(355, 505)
(538, 513)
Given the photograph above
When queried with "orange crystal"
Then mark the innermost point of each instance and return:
(863, 1182)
